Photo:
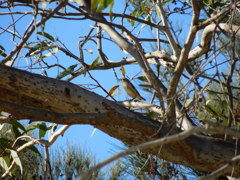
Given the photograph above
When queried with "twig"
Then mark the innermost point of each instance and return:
(222, 170)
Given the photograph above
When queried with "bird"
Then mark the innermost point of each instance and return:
(130, 89)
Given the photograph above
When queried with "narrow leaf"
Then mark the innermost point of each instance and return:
(3, 164)
(46, 35)
(34, 149)
(89, 51)
(112, 90)
(142, 78)
(94, 63)
(6, 143)
(42, 130)
(67, 71)
(122, 69)
(2, 51)
(54, 51)
(16, 159)
(40, 47)
(18, 125)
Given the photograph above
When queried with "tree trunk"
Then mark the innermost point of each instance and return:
(22, 93)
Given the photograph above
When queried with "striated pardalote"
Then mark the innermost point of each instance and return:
(130, 89)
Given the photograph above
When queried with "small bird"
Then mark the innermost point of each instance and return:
(130, 89)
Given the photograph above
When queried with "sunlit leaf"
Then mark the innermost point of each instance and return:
(112, 90)
(142, 78)
(42, 130)
(1, 126)
(94, 63)
(110, 10)
(54, 51)
(122, 69)
(16, 159)
(104, 4)
(94, 5)
(188, 102)
(214, 108)
(4, 162)
(9, 63)
(89, 51)
(66, 72)
(134, 15)
(43, 4)
(40, 47)
(46, 35)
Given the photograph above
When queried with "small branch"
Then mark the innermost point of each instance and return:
(56, 134)
(167, 32)
(99, 47)
(48, 164)
(217, 16)
(207, 37)
(183, 121)
(182, 62)
(222, 170)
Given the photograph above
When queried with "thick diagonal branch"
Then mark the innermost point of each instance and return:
(199, 152)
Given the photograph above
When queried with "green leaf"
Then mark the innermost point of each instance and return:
(44, 5)
(2, 51)
(214, 108)
(42, 130)
(16, 132)
(40, 47)
(122, 69)
(152, 115)
(94, 63)
(104, 4)
(201, 20)
(142, 78)
(46, 35)
(94, 5)
(208, 2)
(188, 102)
(66, 72)
(34, 149)
(6, 143)
(18, 125)
(16, 159)
(4, 162)
(54, 51)
(110, 10)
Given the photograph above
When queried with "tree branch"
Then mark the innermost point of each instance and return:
(182, 62)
